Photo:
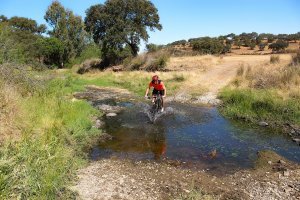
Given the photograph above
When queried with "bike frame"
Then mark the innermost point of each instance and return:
(158, 102)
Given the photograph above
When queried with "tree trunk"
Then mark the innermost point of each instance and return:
(134, 49)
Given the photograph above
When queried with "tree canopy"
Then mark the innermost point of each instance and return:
(25, 24)
(279, 45)
(118, 24)
(66, 27)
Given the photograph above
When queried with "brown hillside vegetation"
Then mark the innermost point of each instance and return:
(188, 50)
(215, 72)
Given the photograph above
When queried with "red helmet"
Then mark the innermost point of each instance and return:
(154, 78)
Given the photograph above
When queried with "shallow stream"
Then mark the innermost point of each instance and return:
(191, 136)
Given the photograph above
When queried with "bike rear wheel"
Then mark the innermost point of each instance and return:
(158, 104)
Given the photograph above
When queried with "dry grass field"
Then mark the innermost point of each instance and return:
(214, 73)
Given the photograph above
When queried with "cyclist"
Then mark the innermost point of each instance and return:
(158, 88)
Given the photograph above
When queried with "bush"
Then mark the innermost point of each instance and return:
(136, 63)
(252, 45)
(274, 59)
(279, 45)
(262, 46)
(91, 51)
(159, 62)
(50, 51)
(227, 48)
(208, 46)
(19, 78)
(88, 65)
(151, 48)
(179, 42)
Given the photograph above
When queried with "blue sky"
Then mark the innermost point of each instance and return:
(184, 19)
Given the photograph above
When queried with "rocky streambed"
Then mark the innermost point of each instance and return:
(173, 159)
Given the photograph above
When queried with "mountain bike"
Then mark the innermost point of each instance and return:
(157, 106)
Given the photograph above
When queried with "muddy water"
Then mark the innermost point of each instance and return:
(190, 135)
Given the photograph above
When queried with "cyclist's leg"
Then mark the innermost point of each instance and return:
(162, 99)
(154, 94)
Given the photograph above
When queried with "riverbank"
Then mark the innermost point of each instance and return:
(267, 95)
(112, 177)
(44, 136)
(127, 179)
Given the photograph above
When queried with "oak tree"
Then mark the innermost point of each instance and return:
(118, 24)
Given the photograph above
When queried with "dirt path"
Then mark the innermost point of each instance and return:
(218, 74)
(221, 74)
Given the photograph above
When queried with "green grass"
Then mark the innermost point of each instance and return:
(55, 132)
(136, 82)
(255, 105)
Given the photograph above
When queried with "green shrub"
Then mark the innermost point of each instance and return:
(208, 46)
(252, 45)
(279, 45)
(91, 51)
(159, 62)
(136, 63)
(151, 48)
(179, 42)
(262, 46)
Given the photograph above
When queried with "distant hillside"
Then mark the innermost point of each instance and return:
(243, 44)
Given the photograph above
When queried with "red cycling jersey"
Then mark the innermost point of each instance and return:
(159, 86)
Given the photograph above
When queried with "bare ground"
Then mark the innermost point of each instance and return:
(126, 179)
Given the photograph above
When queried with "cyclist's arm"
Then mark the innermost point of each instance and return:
(147, 91)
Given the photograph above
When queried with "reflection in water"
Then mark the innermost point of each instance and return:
(190, 134)
(136, 136)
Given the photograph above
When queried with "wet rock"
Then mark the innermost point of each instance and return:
(281, 162)
(111, 114)
(109, 109)
(99, 123)
(297, 140)
(262, 123)
(209, 98)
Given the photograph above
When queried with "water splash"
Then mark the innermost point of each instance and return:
(154, 115)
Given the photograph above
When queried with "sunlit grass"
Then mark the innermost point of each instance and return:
(255, 105)
(54, 133)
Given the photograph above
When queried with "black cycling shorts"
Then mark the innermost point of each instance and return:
(156, 92)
